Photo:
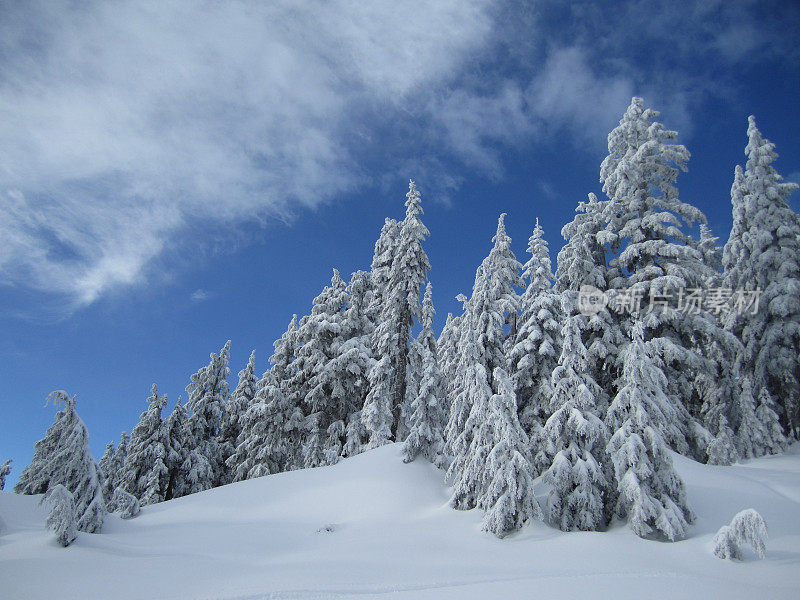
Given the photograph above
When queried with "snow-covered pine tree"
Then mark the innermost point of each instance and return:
(380, 273)
(509, 500)
(653, 256)
(208, 392)
(353, 360)
(317, 375)
(125, 505)
(114, 471)
(736, 253)
(189, 471)
(400, 305)
(751, 433)
(177, 452)
(763, 255)
(582, 260)
(712, 254)
(146, 472)
(284, 353)
(234, 409)
(5, 469)
(61, 518)
(582, 265)
(468, 431)
(106, 465)
(574, 440)
(722, 449)
(460, 402)
(494, 302)
(284, 369)
(63, 457)
(449, 355)
(746, 527)
(774, 441)
(427, 417)
(536, 346)
(651, 492)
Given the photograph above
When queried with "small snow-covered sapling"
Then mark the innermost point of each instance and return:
(746, 527)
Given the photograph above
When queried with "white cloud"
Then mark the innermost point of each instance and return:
(199, 295)
(125, 125)
(122, 123)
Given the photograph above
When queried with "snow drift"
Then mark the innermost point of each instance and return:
(374, 527)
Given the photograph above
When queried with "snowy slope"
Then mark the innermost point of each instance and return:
(394, 537)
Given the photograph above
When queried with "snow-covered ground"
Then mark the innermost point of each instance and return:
(393, 536)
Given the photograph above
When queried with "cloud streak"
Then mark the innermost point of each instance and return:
(123, 123)
(127, 127)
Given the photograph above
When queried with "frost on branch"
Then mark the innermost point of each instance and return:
(747, 527)
(61, 520)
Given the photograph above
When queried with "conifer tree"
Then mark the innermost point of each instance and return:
(582, 268)
(146, 474)
(463, 372)
(125, 505)
(176, 427)
(61, 519)
(63, 457)
(712, 254)
(574, 439)
(736, 253)
(235, 408)
(5, 469)
(509, 500)
(352, 362)
(495, 302)
(400, 305)
(449, 354)
(114, 476)
(284, 370)
(655, 257)
(189, 470)
(763, 256)
(381, 269)
(651, 492)
(535, 352)
(106, 465)
(468, 431)
(722, 449)
(317, 380)
(751, 432)
(582, 260)
(774, 441)
(427, 416)
(208, 393)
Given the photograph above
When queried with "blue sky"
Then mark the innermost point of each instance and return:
(175, 176)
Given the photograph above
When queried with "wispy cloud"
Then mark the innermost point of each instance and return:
(123, 125)
(124, 122)
(199, 295)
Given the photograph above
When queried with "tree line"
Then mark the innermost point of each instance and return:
(523, 383)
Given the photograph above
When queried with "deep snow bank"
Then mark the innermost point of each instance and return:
(373, 527)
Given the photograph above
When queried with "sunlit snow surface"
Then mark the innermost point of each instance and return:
(373, 527)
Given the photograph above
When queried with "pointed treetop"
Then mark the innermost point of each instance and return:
(539, 269)
(761, 154)
(501, 236)
(413, 202)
